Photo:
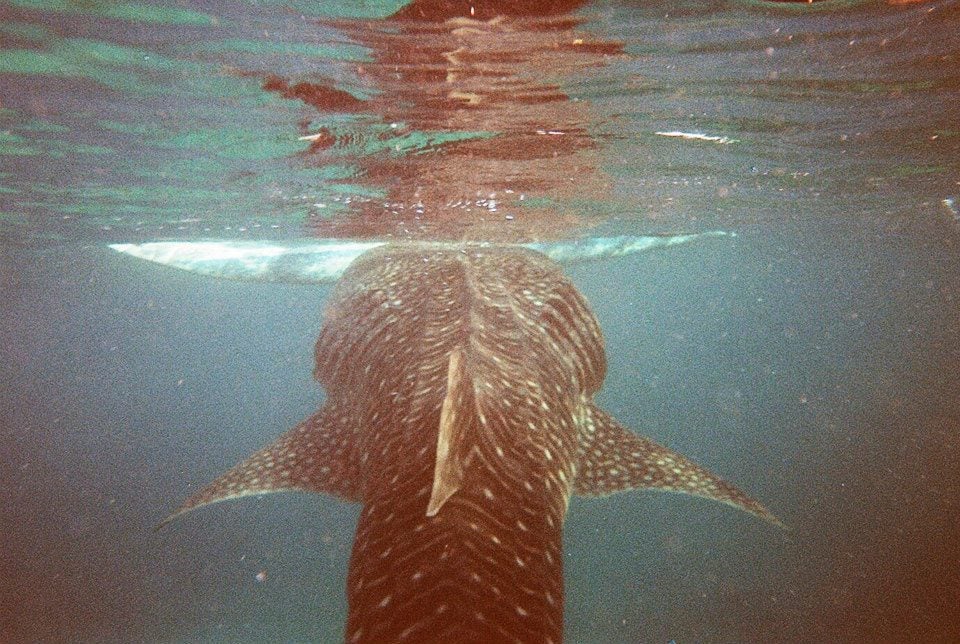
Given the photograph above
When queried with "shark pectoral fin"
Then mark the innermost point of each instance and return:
(314, 456)
(614, 459)
(448, 468)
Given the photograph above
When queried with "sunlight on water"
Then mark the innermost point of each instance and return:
(197, 124)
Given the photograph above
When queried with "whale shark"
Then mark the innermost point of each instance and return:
(460, 383)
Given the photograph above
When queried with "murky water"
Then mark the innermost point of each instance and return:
(811, 359)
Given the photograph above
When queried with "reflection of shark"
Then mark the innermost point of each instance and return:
(460, 384)
(325, 260)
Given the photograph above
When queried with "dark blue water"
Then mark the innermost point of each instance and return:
(812, 360)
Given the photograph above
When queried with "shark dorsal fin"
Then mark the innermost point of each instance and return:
(448, 468)
(614, 459)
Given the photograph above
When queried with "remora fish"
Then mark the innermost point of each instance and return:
(459, 412)
(324, 260)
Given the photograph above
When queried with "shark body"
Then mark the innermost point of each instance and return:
(460, 414)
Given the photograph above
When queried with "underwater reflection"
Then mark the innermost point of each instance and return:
(483, 86)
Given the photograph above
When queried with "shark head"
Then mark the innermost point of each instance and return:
(460, 384)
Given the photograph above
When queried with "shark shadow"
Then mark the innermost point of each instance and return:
(460, 383)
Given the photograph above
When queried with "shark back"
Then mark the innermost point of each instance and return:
(466, 369)
(459, 412)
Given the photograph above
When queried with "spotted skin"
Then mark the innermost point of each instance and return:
(460, 385)
(614, 459)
